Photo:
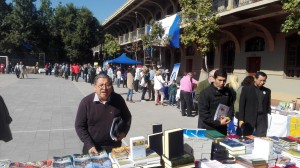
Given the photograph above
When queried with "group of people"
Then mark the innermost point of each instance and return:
(250, 103)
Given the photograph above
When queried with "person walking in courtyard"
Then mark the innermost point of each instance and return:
(130, 80)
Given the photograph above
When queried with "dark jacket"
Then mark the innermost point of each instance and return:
(210, 98)
(5, 120)
(248, 106)
(94, 119)
(172, 89)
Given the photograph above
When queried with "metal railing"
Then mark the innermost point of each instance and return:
(226, 5)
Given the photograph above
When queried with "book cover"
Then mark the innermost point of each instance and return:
(120, 152)
(155, 142)
(137, 147)
(80, 160)
(232, 145)
(116, 127)
(194, 133)
(221, 111)
(214, 134)
(124, 162)
(156, 128)
(181, 160)
(64, 161)
(173, 143)
(101, 160)
(251, 159)
(151, 158)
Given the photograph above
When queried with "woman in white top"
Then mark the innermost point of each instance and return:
(158, 85)
(98, 70)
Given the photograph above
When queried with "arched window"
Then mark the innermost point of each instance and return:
(292, 58)
(228, 56)
(255, 44)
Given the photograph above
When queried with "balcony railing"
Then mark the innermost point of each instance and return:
(226, 5)
(135, 35)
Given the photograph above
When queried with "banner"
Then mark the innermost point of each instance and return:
(174, 73)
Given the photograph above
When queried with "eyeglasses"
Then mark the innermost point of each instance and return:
(108, 86)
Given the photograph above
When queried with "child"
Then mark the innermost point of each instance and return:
(172, 93)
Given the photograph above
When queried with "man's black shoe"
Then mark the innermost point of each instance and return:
(183, 114)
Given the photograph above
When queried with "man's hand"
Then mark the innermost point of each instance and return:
(120, 136)
(93, 150)
(241, 124)
(224, 120)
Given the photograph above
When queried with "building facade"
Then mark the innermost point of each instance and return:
(250, 41)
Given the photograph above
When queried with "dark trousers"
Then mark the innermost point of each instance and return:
(260, 129)
(144, 90)
(186, 102)
(136, 85)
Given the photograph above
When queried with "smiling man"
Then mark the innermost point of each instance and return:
(210, 98)
(96, 113)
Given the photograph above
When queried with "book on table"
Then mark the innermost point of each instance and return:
(137, 147)
(100, 159)
(124, 163)
(120, 152)
(155, 142)
(173, 143)
(251, 159)
(222, 111)
(156, 128)
(212, 164)
(151, 158)
(214, 134)
(64, 161)
(180, 160)
(232, 145)
(81, 160)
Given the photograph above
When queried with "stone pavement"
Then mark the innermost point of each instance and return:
(44, 108)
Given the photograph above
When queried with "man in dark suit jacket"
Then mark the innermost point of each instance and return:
(254, 107)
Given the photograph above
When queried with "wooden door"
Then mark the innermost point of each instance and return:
(253, 65)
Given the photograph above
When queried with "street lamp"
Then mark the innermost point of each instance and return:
(135, 40)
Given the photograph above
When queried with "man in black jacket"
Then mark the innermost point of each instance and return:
(96, 113)
(254, 106)
(210, 98)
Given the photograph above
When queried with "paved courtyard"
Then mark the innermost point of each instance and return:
(44, 108)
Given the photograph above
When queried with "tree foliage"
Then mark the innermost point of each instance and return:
(292, 21)
(154, 37)
(200, 24)
(61, 32)
(111, 45)
(20, 23)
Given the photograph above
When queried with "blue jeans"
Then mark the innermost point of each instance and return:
(129, 94)
(171, 99)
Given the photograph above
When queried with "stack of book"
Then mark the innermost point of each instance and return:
(263, 148)
(234, 148)
(120, 157)
(248, 143)
(289, 142)
(250, 160)
(197, 144)
(152, 159)
(173, 149)
(219, 152)
(212, 164)
(294, 155)
(214, 135)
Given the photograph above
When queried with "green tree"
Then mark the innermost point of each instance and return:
(21, 22)
(292, 21)
(200, 24)
(5, 10)
(79, 30)
(111, 45)
(153, 38)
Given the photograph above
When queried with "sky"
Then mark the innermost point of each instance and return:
(101, 9)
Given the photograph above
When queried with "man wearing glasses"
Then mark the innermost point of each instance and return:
(95, 116)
